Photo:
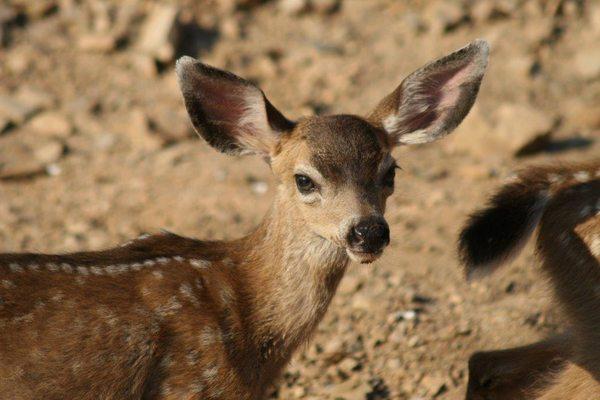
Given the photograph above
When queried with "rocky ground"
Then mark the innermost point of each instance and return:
(95, 148)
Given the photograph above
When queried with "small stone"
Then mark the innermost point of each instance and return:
(348, 365)
(434, 385)
(414, 341)
(34, 98)
(26, 153)
(137, 129)
(517, 127)
(444, 16)
(53, 169)
(14, 110)
(352, 389)
(171, 125)
(51, 123)
(19, 61)
(293, 7)
(156, 31)
(325, 6)
(39, 8)
(98, 42)
(586, 62)
(520, 124)
(230, 28)
(144, 64)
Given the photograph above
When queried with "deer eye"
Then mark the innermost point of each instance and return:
(388, 178)
(305, 184)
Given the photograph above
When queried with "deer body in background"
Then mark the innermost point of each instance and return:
(565, 203)
(167, 317)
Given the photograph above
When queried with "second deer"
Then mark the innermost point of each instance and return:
(565, 203)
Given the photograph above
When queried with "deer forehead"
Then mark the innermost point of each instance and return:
(339, 147)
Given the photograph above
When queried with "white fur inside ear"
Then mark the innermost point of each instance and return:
(417, 137)
(436, 98)
(253, 128)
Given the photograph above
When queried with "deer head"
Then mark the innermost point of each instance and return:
(335, 172)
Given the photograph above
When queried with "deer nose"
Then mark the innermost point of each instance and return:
(370, 235)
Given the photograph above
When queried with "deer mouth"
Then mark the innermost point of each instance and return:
(363, 257)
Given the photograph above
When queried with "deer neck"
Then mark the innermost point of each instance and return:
(294, 275)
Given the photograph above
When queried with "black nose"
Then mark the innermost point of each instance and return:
(369, 235)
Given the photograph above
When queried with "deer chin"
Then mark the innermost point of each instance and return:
(363, 257)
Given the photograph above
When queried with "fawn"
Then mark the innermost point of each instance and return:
(565, 202)
(167, 317)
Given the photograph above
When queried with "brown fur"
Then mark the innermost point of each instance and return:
(565, 203)
(167, 317)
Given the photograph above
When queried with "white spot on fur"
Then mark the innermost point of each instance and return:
(202, 264)
(14, 267)
(33, 267)
(162, 260)
(111, 269)
(555, 178)
(228, 262)
(83, 270)
(66, 267)
(169, 308)
(23, 318)
(581, 176)
(178, 258)
(97, 270)
(136, 266)
(149, 263)
(52, 267)
(210, 373)
(157, 274)
(187, 292)
(192, 357)
(122, 268)
(206, 337)
(6, 284)
(166, 361)
(196, 388)
(58, 296)
(226, 294)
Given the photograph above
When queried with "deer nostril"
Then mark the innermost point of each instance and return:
(361, 230)
(371, 234)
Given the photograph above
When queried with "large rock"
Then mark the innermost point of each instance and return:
(510, 129)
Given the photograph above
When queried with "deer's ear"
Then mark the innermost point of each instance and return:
(434, 99)
(230, 113)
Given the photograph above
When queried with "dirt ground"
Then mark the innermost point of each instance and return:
(96, 148)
